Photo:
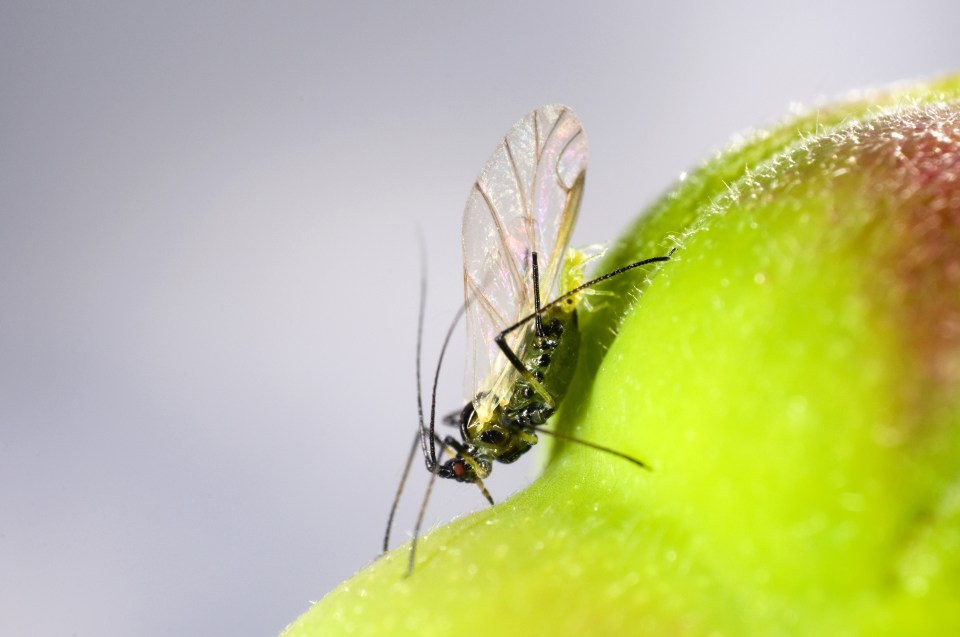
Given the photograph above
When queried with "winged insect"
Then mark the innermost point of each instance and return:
(522, 352)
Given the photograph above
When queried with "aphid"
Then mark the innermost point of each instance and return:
(522, 352)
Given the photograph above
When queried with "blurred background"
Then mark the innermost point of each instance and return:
(209, 268)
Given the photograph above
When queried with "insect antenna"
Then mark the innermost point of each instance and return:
(587, 443)
(416, 438)
(396, 497)
(580, 288)
(429, 451)
(429, 433)
(610, 275)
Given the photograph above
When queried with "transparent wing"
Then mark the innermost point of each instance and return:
(525, 200)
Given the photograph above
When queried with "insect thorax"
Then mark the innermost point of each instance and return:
(502, 431)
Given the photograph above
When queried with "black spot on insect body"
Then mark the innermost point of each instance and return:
(524, 417)
(492, 436)
(514, 455)
(545, 344)
(522, 393)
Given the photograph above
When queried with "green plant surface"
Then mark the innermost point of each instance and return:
(792, 378)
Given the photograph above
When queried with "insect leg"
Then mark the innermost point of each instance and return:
(587, 443)
(426, 436)
(501, 341)
(420, 516)
(452, 419)
(538, 312)
(447, 443)
(431, 467)
(396, 498)
(434, 469)
(536, 294)
(580, 288)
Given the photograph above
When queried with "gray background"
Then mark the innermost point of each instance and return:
(209, 271)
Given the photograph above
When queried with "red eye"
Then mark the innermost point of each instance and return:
(459, 470)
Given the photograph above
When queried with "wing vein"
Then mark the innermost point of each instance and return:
(536, 136)
(536, 173)
(556, 168)
(484, 302)
(516, 176)
(501, 233)
(553, 129)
